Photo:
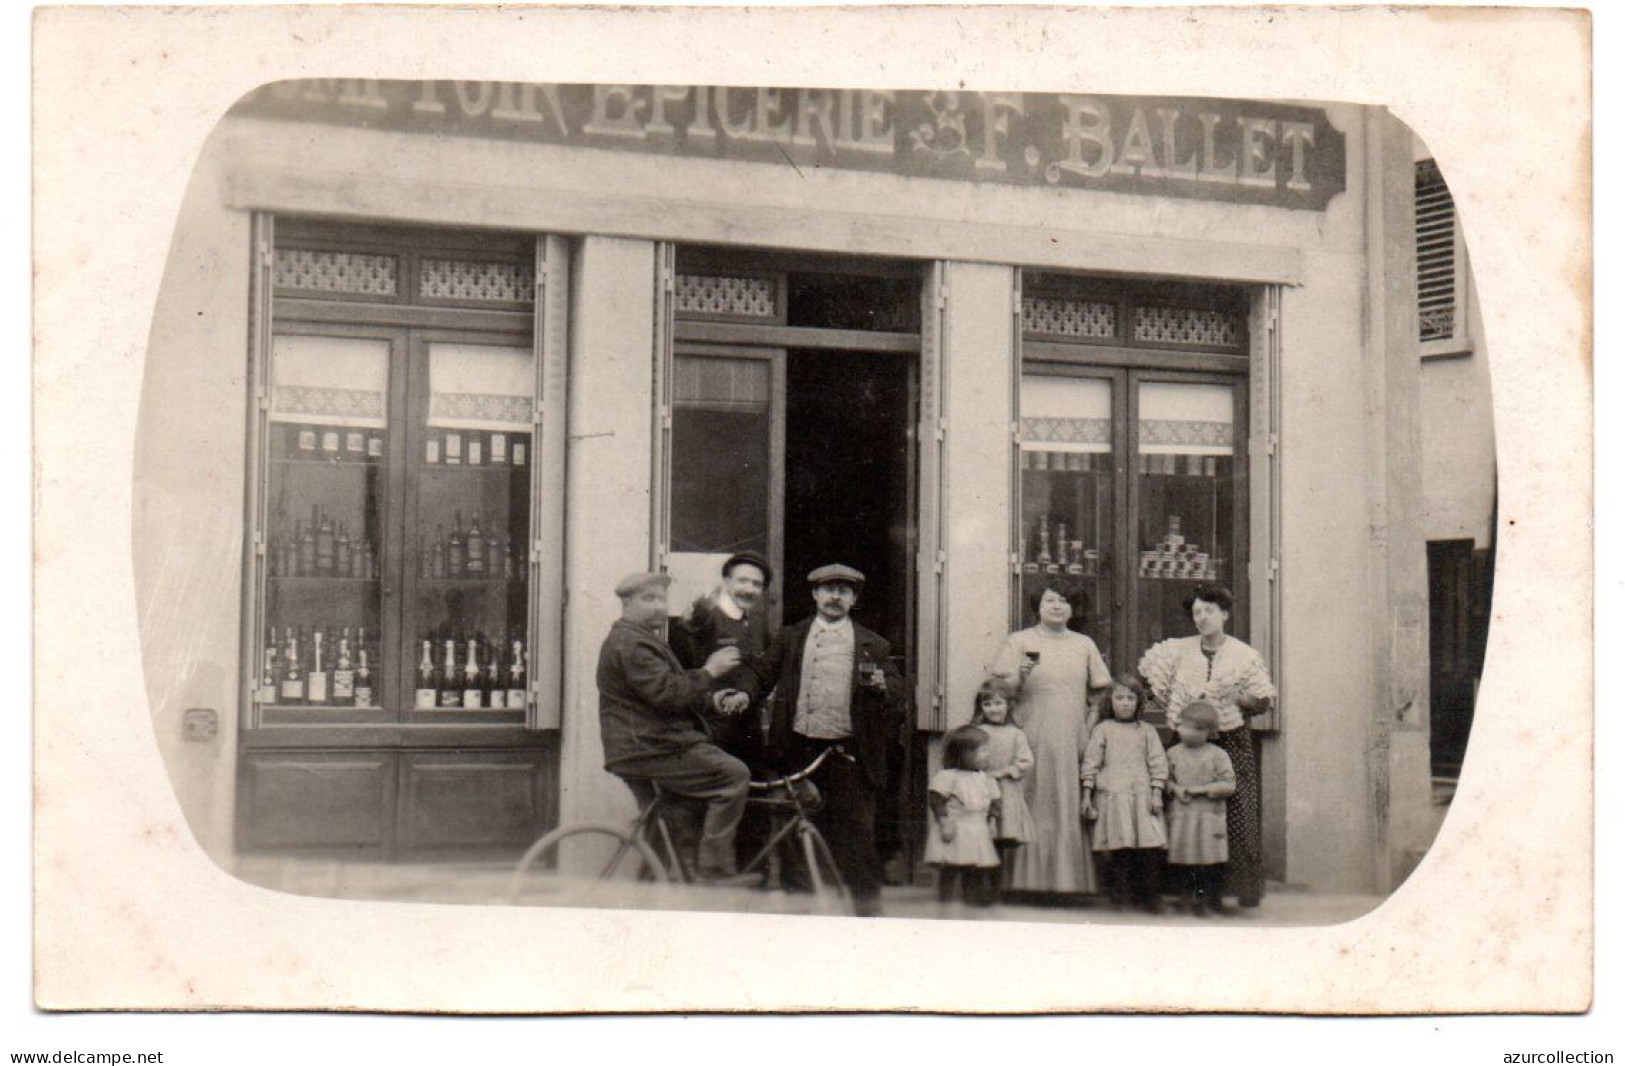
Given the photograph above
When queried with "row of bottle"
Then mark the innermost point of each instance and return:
(477, 554)
(322, 549)
(322, 672)
(470, 675)
(1075, 462)
(1047, 547)
(468, 447)
(333, 444)
(1186, 465)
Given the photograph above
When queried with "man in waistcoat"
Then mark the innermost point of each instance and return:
(834, 687)
(652, 711)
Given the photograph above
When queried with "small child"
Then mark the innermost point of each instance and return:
(1009, 759)
(1124, 764)
(1199, 778)
(964, 803)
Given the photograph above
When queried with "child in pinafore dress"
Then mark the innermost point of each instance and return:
(1200, 778)
(1124, 769)
(1009, 759)
(964, 802)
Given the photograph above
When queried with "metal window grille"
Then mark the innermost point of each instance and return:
(478, 280)
(1187, 325)
(1093, 319)
(347, 273)
(1435, 254)
(711, 295)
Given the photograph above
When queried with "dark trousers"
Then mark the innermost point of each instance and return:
(1131, 874)
(702, 772)
(975, 885)
(1204, 883)
(846, 819)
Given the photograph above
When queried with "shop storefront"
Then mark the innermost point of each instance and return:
(508, 342)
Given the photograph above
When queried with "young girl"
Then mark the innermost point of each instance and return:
(1200, 777)
(1125, 768)
(964, 801)
(1009, 759)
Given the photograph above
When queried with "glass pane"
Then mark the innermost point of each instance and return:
(468, 619)
(1187, 522)
(325, 505)
(1067, 506)
(720, 437)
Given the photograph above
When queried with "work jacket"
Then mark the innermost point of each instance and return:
(647, 703)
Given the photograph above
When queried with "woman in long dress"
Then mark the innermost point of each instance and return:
(1055, 672)
(1229, 674)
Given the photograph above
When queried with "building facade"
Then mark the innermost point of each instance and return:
(435, 363)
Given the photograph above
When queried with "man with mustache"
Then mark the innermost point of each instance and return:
(733, 615)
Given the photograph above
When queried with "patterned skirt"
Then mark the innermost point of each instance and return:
(1244, 876)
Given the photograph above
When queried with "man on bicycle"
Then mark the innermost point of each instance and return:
(651, 712)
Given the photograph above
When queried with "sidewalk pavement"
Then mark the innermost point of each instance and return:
(489, 884)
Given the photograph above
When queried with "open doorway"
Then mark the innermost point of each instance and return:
(848, 481)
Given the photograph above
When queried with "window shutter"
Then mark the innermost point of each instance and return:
(1437, 295)
(550, 280)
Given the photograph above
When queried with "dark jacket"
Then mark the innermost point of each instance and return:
(876, 713)
(647, 703)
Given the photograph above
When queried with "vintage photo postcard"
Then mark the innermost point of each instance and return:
(707, 510)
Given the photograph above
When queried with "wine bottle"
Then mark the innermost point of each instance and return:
(288, 554)
(363, 678)
(293, 678)
(325, 545)
(344, 672)
(341, 551)
(454, 550)
(507, 560)
(474, 549)
(1044, 557)
(427, 693)
(451, 694)
(268, 678)
(476, 450)
(437, 562)
(316, 680)
(454, 448)
(305, 560)
(516, 677)
(494, 566)
(471, 678)
(496, 693)
(424, 570)
(499, 449)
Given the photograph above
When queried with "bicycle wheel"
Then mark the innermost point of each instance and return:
(828, 889)
(567, 864)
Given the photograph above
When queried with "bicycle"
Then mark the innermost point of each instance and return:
(647, 851)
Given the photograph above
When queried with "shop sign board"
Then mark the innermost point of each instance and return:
(1236, 151)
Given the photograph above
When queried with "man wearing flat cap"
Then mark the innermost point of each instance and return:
(834, 686)
(652, 716)
(732, 615)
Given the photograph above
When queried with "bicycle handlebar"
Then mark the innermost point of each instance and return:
(805, 771)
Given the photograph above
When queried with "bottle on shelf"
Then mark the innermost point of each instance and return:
(472, 678)
(507, 560)
(437, 562)
(325, 541)
(341, 551)
(344, 672)
(474, 548)
(516, 676)
(495, 569)
(268, 678)
(451, 692)
(455, 559)
(1045, 558)
(424, 570)
(496, 692)
(363, 677)
(307, 551)
(287, 554)
(426, 693)
(293, 678)
(316, 679)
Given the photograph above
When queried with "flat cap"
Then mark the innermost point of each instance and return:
(632, 584)
(834, 572)
(755, 559)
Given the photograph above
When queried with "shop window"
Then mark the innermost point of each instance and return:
(404, 539)
(720, 449)
(1132, 453)
(1440, 266)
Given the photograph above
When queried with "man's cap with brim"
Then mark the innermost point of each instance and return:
(755, 559)
(632, 584)
(825, 575)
